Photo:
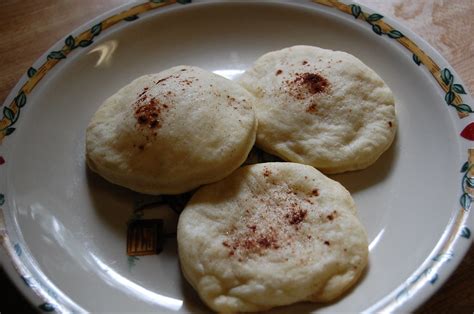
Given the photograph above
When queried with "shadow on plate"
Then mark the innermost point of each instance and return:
(355, 181)
(112, 203)
(192, 302)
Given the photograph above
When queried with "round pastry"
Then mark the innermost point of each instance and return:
(171, 132)
(271, 234)
(321, 107)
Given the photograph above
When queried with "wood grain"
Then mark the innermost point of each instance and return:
(446, 25)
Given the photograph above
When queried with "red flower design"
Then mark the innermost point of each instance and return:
(468, 132)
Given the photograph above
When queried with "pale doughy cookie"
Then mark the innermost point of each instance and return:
(171, 132)
(271, 234)
(321, 107)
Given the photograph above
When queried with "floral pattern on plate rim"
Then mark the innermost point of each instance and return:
(444, 77)
(453, 91)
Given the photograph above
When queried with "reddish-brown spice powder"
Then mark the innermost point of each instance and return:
(162, 80)
(148, 114)
(332, 215)
(277, 224)
(297, 215)
(305, 84)
(314, 82)
(311, 108)
(266, 172)
(143, 92)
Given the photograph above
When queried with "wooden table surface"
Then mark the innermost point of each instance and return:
(29, 28)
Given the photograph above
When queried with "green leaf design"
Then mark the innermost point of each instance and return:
(470, 182)
(464, 108)
(465, 201)
(465, 167)
(70, 42)
(96, 29)
(416, 59)
(131, 261)
(377, 29)
(449, 98)
(446, 76)
(85, 43)
(466, 232)
(131, 18)
(18, 249)
(2, 199)
(20, 100)
(402, 295)
(46, 307)
(433, 278)
(9, 131)
(374, 17)
(395, 34)
(56, 55)
(428, 273)
(183, 1)
(31, 72)
(355, 10)
(26, 280)
(458, 89)
(447, 256)
(8, 113)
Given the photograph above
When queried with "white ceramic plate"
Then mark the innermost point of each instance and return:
(64, 228)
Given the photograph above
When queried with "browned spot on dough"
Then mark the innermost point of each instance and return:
(278, 72)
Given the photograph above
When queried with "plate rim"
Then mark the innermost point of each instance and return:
(413, 292)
